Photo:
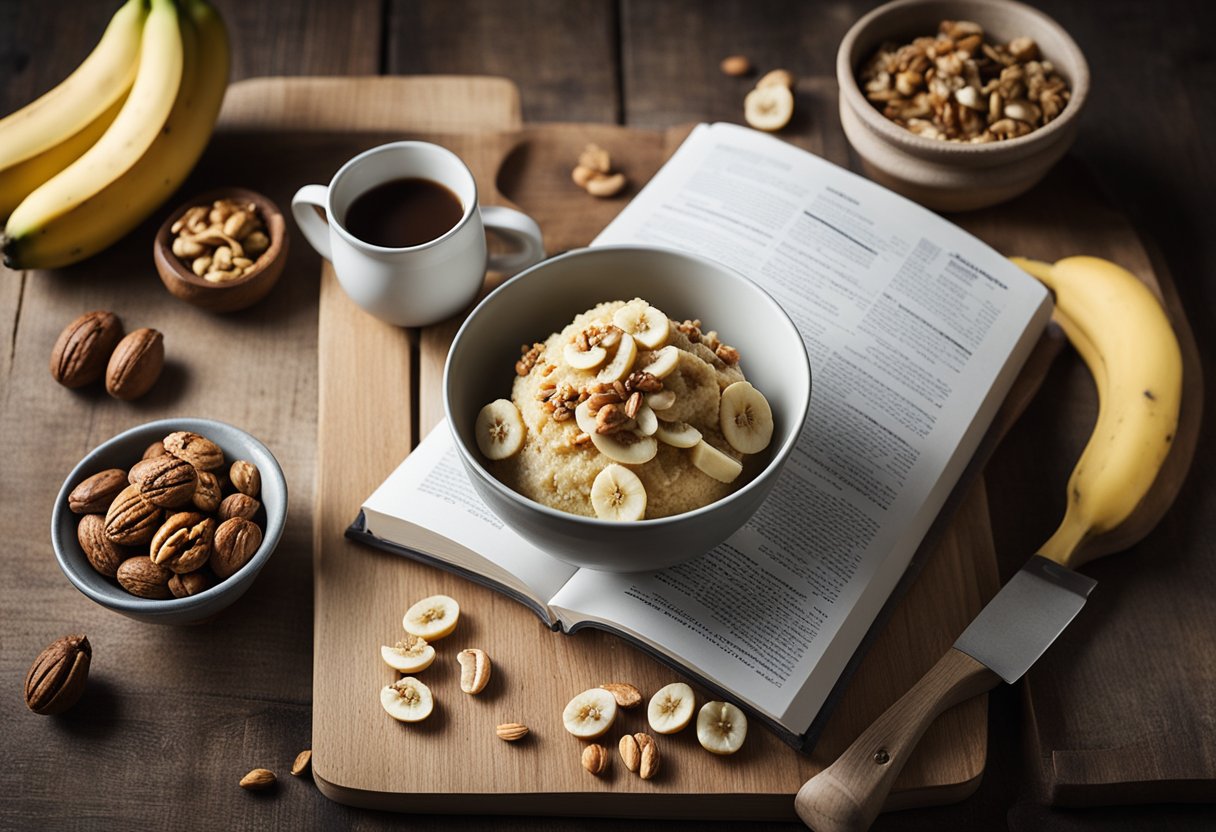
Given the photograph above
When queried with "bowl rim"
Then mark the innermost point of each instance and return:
(757, 482)
(276, 225)
(851, 93)
(123, 601)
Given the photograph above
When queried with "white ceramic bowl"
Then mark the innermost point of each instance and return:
(123, 451)
(952, 176)
(543, 299)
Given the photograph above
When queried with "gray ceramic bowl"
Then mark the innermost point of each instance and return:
(950, 176)
(543, 299)
(123, 451)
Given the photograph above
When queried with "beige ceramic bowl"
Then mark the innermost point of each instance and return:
(950, 176)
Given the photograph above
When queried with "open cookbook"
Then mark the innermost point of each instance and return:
(915, 331)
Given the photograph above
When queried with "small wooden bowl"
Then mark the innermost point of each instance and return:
(223, 297)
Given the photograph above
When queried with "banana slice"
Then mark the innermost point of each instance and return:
(745, 418)
(769, 108)
(590, 714)
(618, 494)
(677, 434)
(662, 400)
(622, 361)
(714, 463)
(580, 360)
(670, 710)
(407, 700)
(721, 727)
(663, 362)
(584, 418)
(625, 446)
(499, 429)
(648, 326)
(432, 618)
(648, 423)
(410, 656)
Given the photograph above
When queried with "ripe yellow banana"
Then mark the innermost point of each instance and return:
(1124, 336)
(48, 134)
(90, 206)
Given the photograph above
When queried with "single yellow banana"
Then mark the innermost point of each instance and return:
(1124, 336)
(96, 199)
(48, 134)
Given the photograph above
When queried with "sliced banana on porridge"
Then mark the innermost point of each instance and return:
(662, 400)
(621, 362)
(745, 418)
(713, 463)
(407, 700)
(499, 429)
(618, 494)
(648, 326)
(413, 655)
(677, 434)
(662, 363)
(587, 359)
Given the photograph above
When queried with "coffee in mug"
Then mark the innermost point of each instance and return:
(406, 235)
(403, 212)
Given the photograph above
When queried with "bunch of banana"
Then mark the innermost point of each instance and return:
(91, 159)
(1122, 333)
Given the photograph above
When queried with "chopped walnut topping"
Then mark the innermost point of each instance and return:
(957, 87)
(529, 358)
(728, 354)
(691, 330)
(582, 439)
(633, 404)
(549, 368)
(643, 381)
(609, 419)
(560, 401)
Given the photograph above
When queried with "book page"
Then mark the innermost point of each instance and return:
(429, 499)
(915, 331)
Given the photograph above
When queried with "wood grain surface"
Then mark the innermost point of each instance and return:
(173, 699)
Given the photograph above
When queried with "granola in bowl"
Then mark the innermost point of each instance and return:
(624, 415)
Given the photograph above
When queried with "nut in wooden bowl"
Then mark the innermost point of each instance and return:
(222, 250)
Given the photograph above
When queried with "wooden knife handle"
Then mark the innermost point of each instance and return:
(847, 795)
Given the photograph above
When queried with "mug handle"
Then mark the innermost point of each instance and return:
(303, 208)
(516, 226)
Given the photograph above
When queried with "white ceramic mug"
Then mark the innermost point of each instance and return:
(421, 284)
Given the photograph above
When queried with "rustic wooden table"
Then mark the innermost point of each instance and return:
(163, 749)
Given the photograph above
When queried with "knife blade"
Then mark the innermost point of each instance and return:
(1008, 636)
(1021, 621)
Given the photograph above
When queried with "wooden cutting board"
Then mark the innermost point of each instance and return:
(379, 393)
(370, 415)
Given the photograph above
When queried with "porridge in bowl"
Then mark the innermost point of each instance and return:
(625, 415)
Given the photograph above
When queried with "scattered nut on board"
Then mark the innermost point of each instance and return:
(594, 173)
(648, 762)
(631, 754)
(625, 694)
(770, 106)
(595, 758)
(511, 731)
(302, 762)
(474, 670)
(258, 780)
(735, 65)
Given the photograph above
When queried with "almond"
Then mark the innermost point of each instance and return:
(648, 762)
(302, 762)
(631, 754)
(595, 758)
(258, 780)
(474, 670)
(511, 731)
(135, 364)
